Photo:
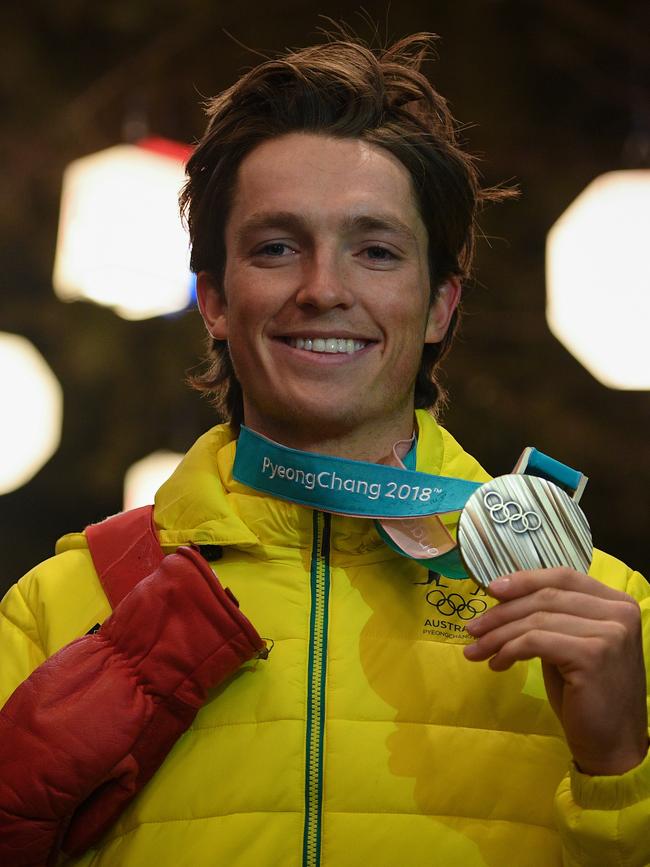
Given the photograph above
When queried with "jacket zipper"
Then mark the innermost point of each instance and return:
(316, 675)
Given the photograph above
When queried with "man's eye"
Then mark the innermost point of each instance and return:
(275, 249)
(379, 254)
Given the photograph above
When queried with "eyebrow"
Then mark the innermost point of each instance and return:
(294, 222)
(379, 222)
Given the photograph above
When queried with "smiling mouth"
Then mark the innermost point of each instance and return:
(330, 345)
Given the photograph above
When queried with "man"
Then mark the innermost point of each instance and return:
(331, 213)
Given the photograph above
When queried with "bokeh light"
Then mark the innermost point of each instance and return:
(143, 479)
(598, 279)
(121, 242)
(32, 407)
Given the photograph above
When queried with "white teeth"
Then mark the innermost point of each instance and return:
(330, 345)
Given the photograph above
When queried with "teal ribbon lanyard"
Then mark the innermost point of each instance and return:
(535, 463)
(354, 488)
(367, 490)
(343, 486)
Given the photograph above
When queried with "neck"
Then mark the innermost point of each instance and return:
(371, 443)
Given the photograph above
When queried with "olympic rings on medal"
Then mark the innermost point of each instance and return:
(511, 513)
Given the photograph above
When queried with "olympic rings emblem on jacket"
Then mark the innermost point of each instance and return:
(510, 513)
(466, 609)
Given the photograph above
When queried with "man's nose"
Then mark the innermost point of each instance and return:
(323, 284)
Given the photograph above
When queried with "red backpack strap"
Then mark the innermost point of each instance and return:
(124, 549)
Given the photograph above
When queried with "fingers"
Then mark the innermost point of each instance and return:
(523, 583)
(551, 599)
(555, 649)
(553, 602)
(560, 639)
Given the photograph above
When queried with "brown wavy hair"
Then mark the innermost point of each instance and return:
(345, 89)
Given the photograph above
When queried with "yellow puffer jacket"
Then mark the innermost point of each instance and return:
(366, 737)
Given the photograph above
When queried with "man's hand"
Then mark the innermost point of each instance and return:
(588, 637)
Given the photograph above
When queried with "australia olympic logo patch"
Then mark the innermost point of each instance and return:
(454, 604)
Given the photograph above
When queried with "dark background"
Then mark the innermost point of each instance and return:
(553, 93)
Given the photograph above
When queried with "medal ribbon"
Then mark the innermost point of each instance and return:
(405, 503)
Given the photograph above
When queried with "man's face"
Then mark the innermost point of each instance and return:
(325, 301)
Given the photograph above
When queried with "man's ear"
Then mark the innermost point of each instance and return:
(442, 310)
(212, 304)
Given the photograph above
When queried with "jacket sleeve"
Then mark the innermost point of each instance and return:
(83, 734)
(606, 820)
(21, 645)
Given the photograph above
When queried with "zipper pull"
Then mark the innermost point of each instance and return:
(266, 650)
